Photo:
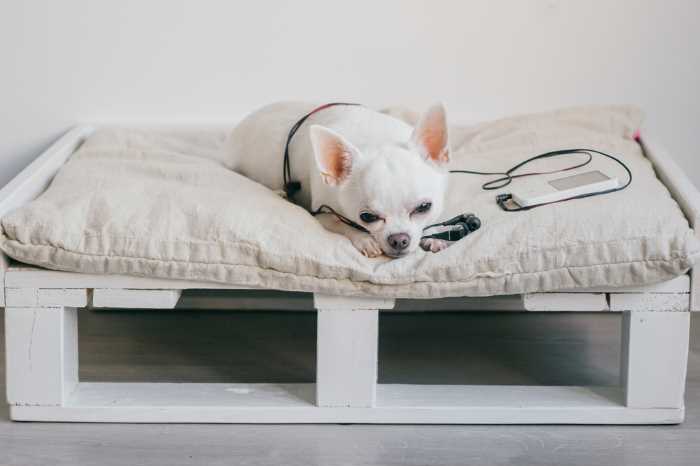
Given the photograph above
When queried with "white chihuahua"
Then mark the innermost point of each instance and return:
(372, 168)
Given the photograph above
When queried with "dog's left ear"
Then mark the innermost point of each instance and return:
(430, 135)
(334, 155)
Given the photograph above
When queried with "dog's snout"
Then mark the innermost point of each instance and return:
(399, 241)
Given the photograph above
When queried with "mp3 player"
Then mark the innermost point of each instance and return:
(540, 190)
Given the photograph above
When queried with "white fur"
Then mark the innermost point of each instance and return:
(388, 168)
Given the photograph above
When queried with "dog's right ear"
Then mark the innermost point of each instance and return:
(334, 155)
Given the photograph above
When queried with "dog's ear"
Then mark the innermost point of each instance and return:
(334, 155)
(430, 135)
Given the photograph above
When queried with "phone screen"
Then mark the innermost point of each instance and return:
(582, 179)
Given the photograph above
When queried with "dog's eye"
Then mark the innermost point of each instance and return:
(368, 217)
(423, 208)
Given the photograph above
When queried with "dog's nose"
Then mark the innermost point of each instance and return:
(399, 241)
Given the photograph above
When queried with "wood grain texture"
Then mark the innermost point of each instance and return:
(40, 297)
(42, 355)
(501, 348)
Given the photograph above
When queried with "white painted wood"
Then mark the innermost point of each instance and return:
(135, 299)
(663, 302)
(34, 179)
(683, 191)
(328, 302)
(346, 357)
(582, 302)
(695, 289)
(293, 403)
(654, 358)
(75, 297)
(33, 297)
(41, 354)
(4, 266)
(22, 297)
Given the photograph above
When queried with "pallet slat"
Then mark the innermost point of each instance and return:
(660, 302)
(135, 299)
(46, 297)
(42, 354)
(293, 403)
(346, 354)
(581, 302)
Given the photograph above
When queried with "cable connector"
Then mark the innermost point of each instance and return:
(501, 198)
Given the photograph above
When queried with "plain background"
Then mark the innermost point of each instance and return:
(71, 61)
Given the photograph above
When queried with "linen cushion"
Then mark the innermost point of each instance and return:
(161, 204)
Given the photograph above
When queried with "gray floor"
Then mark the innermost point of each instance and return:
(446, 348)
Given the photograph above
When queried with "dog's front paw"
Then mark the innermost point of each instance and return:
(367, 245)
(434, 244)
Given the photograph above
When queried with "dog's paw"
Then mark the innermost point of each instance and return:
(367, 245)
(434, 244)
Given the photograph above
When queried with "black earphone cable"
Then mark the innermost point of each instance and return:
(507, 177)
(291, 187)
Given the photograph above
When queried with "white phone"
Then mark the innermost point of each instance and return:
(540, 190)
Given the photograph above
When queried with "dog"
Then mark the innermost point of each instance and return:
(371, 167)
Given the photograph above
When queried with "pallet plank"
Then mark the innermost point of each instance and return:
(346, 353)
(41, 354)
(329, 302)
(4, 266)
(293, 403)
(654, 358)
(135, 299)
(77, 297)
(664, 302)
(46, 297)
(582, 302)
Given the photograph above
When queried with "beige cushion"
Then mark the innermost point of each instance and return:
(161, 204)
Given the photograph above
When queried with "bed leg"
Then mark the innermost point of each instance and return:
(654, 358)
(41, 355)
(346, 361)
(346, 351)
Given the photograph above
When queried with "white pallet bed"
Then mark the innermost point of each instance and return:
(41, 311)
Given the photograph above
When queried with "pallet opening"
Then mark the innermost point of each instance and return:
(499, 348)
(199, 346)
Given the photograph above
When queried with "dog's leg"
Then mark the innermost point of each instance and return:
(434, 244)
(363, 242)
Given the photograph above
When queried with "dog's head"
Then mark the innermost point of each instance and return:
(395, 190)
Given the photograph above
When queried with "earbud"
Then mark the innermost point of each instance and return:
(455, 228)
(472, 222)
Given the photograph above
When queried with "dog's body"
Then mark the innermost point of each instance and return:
(368, 166)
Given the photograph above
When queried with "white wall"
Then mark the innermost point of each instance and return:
(81, 60)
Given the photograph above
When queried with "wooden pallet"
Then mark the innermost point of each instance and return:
(41, 312)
